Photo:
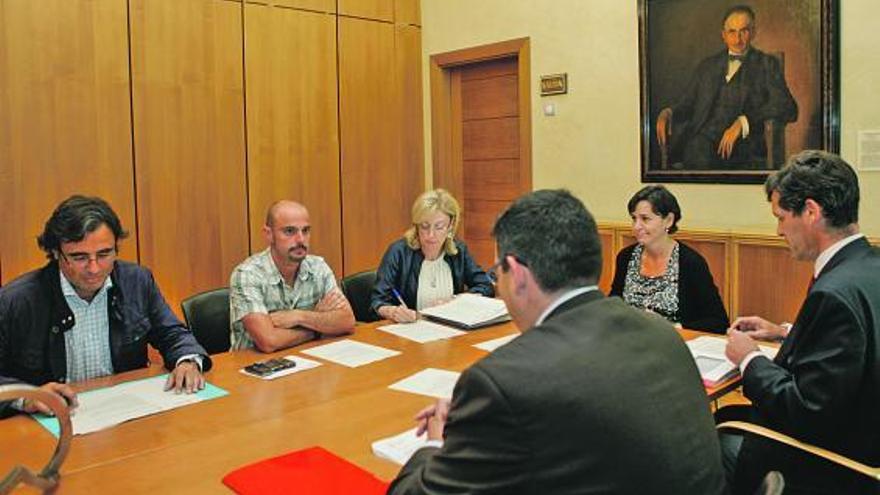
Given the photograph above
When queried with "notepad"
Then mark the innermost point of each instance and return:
(469, 311)
(314, 471)
(714, 367)
(421, 331)
(105, 407)
(399, 448)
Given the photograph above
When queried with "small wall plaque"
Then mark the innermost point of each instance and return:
(554, 84)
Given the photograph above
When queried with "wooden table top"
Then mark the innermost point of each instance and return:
(191, 448)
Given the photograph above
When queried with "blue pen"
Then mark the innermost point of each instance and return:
(399, 298)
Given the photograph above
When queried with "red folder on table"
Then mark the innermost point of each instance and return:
(313, 470)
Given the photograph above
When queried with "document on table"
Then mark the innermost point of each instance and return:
(421, 331)
(110, 406)
(430, 381)
(714, 367)
(399, 448)
(491, 345)
(351, 353)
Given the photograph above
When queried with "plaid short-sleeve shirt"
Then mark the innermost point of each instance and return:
(256, 286)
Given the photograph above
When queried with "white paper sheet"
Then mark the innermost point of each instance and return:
(106, 407)
(399, 448)
(302, 364)
(491, 345)
(421, 331)
(430, 381)
(351, 353)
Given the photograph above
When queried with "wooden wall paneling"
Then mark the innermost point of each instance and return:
(715, 251)
(769, 283)
(292, 125)
(189, 141)
(608, 256)
(378, 187)
(408, 84)
(327, 6)
(408, 12)
(379, 10)
(65, 120)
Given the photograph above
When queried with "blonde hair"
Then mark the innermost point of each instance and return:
(438, 200)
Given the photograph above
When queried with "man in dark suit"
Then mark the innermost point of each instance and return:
(727, 101)
(594, 396)
(823, 387)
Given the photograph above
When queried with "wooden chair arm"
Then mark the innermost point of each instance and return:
(846, 462)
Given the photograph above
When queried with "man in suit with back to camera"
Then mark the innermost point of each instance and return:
(86, 314)
(729, 97)
(284, 296)
(823, 387)
(594, 396)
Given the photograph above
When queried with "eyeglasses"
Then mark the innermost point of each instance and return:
(102, 257)
(502, 262)
(427, 228)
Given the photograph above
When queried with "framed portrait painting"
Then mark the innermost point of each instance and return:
(729, 89)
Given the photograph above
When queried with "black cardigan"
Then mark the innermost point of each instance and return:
(699, 303)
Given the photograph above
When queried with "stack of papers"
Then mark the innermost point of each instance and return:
(713, 364)
(469, 311)
(351, 353)
(421, 331)
(399, 448)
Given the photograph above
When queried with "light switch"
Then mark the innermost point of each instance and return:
(550, 109)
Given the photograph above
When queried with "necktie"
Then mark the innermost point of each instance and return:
(731, 57)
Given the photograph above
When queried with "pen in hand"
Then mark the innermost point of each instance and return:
(399, 298)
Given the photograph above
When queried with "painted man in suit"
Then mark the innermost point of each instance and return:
(594, 396)
(721, 113)
(823, 387)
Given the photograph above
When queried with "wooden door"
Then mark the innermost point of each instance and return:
(488, 95)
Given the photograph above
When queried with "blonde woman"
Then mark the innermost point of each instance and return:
(428, 265)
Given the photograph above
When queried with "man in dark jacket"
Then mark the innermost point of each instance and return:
(823, 387)
(593, 397)
(86, 314)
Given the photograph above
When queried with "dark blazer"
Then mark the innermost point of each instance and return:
(699, 303)
(823, 387)
(34, 316)
(600, 398)
(763, 95)
(400, 269)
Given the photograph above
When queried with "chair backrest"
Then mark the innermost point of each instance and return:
(357, 289)
(207, 315)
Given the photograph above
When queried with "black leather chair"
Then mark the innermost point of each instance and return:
(207, 315)
(357, 289)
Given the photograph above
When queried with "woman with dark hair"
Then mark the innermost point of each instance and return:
(662, 275)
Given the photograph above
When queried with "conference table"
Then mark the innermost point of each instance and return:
(191, 448)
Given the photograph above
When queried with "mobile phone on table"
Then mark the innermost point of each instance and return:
(268, 367)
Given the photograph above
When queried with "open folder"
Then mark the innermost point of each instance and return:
(713, 364)
(469, 311)
(314, 471)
